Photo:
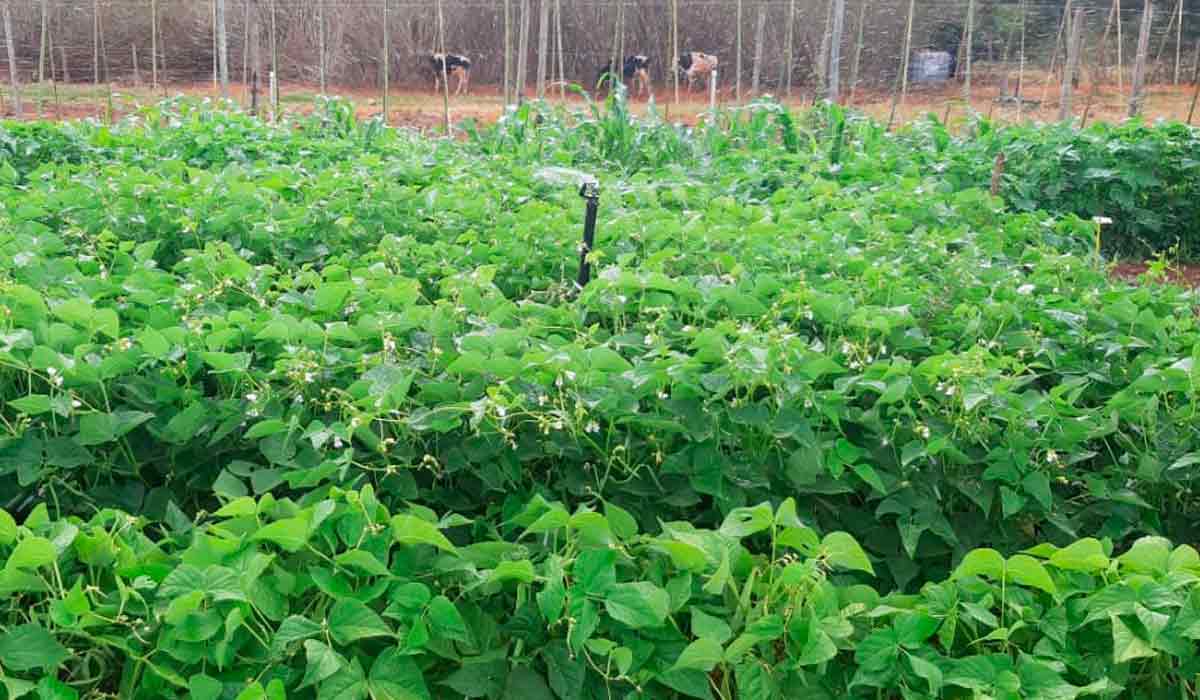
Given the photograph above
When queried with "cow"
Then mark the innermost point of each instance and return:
(695, 65)
(448, 65)
(636, 66)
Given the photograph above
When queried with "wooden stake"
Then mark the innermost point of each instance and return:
(222, 49)
(274, 67)
(543, 44)
(759, 28)
(1058, 39)
(558, 38)
(1178, 41)
(1073, 49)
(1139, 66)
(969, 45)
(737, 90)
(675, 46)
(1120, 51)
(1162, 45)
(1196, 89)
(614, 64)
(835, 50)
(11, 44)
(154, 44)
(387, 60)
(43, 43)
(246, 51)
(823, 58)
(898, 98)
(507, 52)
(254, 29)
(216, 80)
(858, 49)
(137, 74)
(445, 69)
(1021, 68)
(522, 50)
(96, 44)
(321, 44)
(790, 48)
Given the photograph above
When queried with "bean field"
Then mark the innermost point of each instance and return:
(319, 410)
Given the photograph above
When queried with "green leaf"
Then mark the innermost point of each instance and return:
(409, 529)
(743, 522)
(351, 620)
(363, 561)
(754, 682)
(1149, 555)
(519, 571)
(982, 562)
(1028, 571)
(320, 663)
(842, 550)
(702, 654)
(32, 553)
(912, 629)
(706, 626)
(291, 534)
(155, 344)
(204, 687)
(819, 649)
(524, 684)
(331, 296)
(396, 677)
(446, 621)
(637, 605)
(1085, 555)
(29, 646)
(1127, 645)
(100, 428)
(622, 523)
(294, 629)
(350, 683)
(565, 671)
(266, 428)
(8, 528)
(595, 571)
(33, 405)
(931, 673)
(50, 688)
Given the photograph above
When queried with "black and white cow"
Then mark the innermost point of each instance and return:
(637, 66)
(451, 65)
(695, 66)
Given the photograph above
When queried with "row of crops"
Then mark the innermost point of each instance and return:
(316, 411)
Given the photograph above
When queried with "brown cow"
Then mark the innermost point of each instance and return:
(695, 66)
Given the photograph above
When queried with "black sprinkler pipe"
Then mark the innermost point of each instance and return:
(590, 191)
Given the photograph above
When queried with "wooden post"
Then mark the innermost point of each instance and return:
(154, 44)
(11, 44)
(1058, 39)
(1178, 41)
(858, 49)
(1196, 83)
(712, 95)
(620, 40)
(1099, 73)
(1120, 51)
(790, 48)
(737, 69)
(42, 45)
(274, 84)
(969, 46)
(387, 60)
(222, 49)
(216, 80)
(823, 58)
(96, 44)
(1139, 66)
(522, 50)
(1073, 49)
(558, 37)
(66, 69)
(246, 51)
(759, 27)
(835, 50)
(1162, 46)
(1021, 67)
(254, 30)
(615, 73)
(321, 44)
(507, 52)
(543, 44)
(675, 46)
(898, 98)
(445, 69)
(137, 74)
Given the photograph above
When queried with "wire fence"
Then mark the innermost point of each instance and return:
(896, 54)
